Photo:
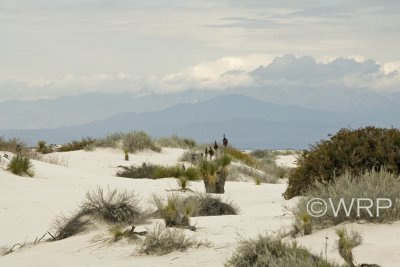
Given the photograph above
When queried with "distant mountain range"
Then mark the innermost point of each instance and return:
(248, 122)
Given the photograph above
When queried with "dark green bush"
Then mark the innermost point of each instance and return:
(352, 151)
(20, 165)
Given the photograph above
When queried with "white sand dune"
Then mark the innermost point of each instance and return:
(28, 206)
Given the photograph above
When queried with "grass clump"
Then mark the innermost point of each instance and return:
(84, 143)
(346, 243)
(174, 211)
(246, 158)
(345, 192)
(111, 140)
(268, 251)
(144, 171)
(20, 165)
(138, 141)
(161, 241)
(113, 207)
(353, 151)
(11, 145)
(176, 142)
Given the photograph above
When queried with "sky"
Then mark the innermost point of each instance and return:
(50, 48)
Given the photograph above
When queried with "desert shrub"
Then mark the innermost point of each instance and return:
(156, 171)
(263, 153)
(65, 226)
(161, 241)
(113, 206)
(176, 142)
(348, 188)
(246, 158)
(138, 141)
(174, 211)
(354, 151)
(84, 143)
(209, 205)
(111, 140)
(43, 148)
(20, 165)
(268, 251)
(167, 171)
(243, 172)
(214, 173)
(10, 145)
(144, 171)
(346, 243)
(192, 157)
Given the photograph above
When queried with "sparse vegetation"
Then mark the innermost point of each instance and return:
(55, 159)
(20, 165)
(246, 158)
(138, 141)
(114, 207)
(268, 251)
(43, 148)
(209, 205)
(10, 145)
(176, 142)
(161, 241)
(175, 211)
(352, 151)
(347, 188)
(84, 143)
(346, 243)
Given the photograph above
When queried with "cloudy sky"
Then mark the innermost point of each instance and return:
(60, 47)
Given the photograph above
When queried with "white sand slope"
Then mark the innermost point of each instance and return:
(28, 207)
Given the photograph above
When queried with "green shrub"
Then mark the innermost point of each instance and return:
(138, 141)
(84, 143)
(144, 171)
(347, 188)
(176, 142)
(20, 165)
(267, 251)
(161, 241)
(354, 151)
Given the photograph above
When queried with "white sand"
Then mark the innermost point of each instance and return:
(28, 207)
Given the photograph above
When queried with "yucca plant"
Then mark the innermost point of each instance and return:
(214, 174)
(20, 165)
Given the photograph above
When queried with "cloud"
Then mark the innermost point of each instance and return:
(227, 73)
(68, 85)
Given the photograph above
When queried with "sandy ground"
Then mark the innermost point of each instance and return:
(28, 207)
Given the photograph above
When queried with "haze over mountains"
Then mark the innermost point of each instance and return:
(289, 103)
